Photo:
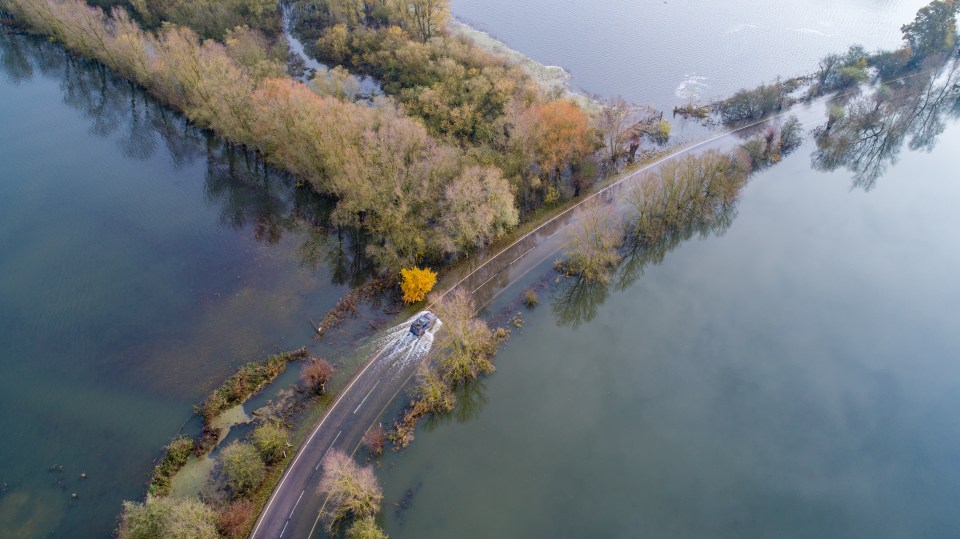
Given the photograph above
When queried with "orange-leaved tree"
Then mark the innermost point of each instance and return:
(416, 283)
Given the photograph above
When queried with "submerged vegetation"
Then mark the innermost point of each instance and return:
(247, 381)
(175, 455)
(464, 353)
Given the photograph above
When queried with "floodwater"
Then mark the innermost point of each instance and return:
(142, 262)
(666, 52)
(790, 372)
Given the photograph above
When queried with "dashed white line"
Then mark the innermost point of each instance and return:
(365, 398)
(284, 527)
(296, 504)
(328, 450)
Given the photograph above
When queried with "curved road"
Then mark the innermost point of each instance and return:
(293, 509)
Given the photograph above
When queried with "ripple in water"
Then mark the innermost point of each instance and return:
(693, 88)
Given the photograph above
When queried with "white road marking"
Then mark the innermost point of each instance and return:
(365, 398)
(328, 450)
(284, 527)
(296, 504)
(286, 475)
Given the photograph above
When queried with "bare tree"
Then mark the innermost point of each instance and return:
(352, 492)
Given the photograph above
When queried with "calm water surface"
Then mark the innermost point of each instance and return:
(665, 52)
(792, 375)
(140, 262)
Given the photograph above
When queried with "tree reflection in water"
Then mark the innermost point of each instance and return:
(866, 138)
(249, 195)
(866, 135)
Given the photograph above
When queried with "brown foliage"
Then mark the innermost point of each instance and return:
(375, 440)
(234, 520)
(315, 374)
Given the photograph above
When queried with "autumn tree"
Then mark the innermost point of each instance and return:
(352, 492)
(416, 283)
(562, 134)
(477, 208)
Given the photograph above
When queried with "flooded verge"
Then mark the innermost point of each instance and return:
(787, 371)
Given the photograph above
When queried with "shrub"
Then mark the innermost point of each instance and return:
(416, 283)
(242, 468)
(315, 374)
(235, 518)
(166, 517)
(375, 440)
(271, 441)
(365, 528)
(530, 298)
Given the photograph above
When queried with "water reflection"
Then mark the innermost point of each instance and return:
(867, 134)
(864, 134)
(248, 193)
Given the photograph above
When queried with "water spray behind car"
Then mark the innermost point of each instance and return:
(408, 342)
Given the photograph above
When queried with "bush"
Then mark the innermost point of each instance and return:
(416, 284)
(242, 468)
(375, 440)
(530, 298)
(271, 441)
(235, 518)
(315, 374)
(174, 457)
(165, 517)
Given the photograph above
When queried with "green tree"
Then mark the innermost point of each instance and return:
(167, 518)
(365, 528)
(934, 30)
(242, 467)
(271, 441)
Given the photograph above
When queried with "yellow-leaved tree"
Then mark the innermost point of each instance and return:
(416, 283)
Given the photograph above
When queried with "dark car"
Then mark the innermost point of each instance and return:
(423, 323)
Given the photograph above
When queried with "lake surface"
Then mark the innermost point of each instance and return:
(142, 261)
(791, 374)
(666, 52)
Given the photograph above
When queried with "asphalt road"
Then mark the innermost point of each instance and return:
(293, 509)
